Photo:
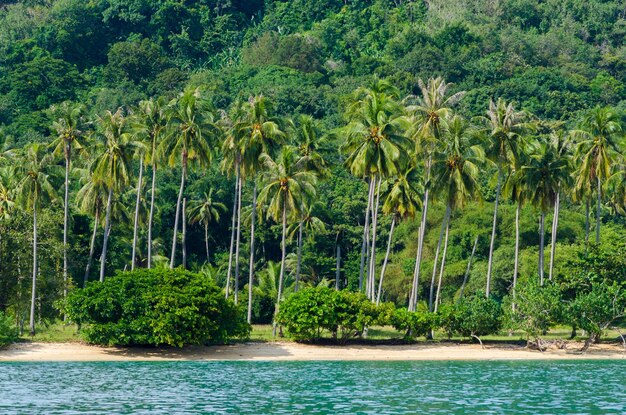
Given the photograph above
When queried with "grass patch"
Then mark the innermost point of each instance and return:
(55, 333)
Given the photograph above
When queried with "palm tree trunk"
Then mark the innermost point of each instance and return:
(237, 242)
(299, 264)
(34, 285)
(66, 205)
(281, 278)
(251, 271)
(420, 243)
(153, 185)
(92, 246)
(178, 206)
(184, 235)
(372, 269)
(232, 235)
(587, 224)
(467, 270)
(136, 224)
(338, 265)
(384, 268)
(206, 241)
(555, 226)
(541, 245)
(598, 210)
(443, 259)
(364, 250)
(434, 275)
(516, 265)
(493, 232)
(107, 228)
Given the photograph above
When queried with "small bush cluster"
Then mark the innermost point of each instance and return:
(8, 332)
(156, 307)
(311, 312)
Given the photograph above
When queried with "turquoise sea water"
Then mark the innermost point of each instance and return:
(514, 387)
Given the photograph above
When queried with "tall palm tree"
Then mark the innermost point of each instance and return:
(149, 125)
(401, 201)
(598, 138)
(258, 132)
(113, 165)
(516, 187)
(231, 164)
(545, 171)
(455, 172)
(34, 189)
(192, 126)
(92, 198)
(206, 211)
(504, 127)
(376, 148)
(433, 106)
(68, 127)
(286, 186)
(561, 142)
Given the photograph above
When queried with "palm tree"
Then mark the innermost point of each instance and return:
(561, 142)
(113, 166)
(150, 126)
(432, 107)
(309, 223)
(401, 201)
(258, 132)
(206, 211)
(504, 127)
(231, 162)
(376, 147)
(92, 198)
(599, 134)
(305, 134)
(545, 171)
(68, 127)
(7, 202)
(455, 172)
(286, 186)
(516, 187)
(34, 189)
(192, 126)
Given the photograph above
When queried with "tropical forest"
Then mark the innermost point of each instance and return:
(188, 172)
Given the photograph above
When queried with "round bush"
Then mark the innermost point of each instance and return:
(156, 307)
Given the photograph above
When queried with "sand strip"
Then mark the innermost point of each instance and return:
(284, 351)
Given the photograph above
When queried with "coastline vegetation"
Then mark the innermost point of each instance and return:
(444, 169)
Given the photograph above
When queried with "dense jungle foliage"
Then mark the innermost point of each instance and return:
(286, 103)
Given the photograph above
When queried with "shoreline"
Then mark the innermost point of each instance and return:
(289, 351)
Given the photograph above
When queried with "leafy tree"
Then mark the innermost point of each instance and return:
(156, 307)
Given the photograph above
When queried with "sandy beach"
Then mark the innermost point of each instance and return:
(287, 351)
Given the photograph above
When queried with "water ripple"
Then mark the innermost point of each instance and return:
(581, 387)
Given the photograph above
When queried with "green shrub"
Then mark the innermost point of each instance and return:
(310, 312)
(537, 308)
(413, 323)
(8, 331)
(596, 310)
(478, 316)
(156, 307)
